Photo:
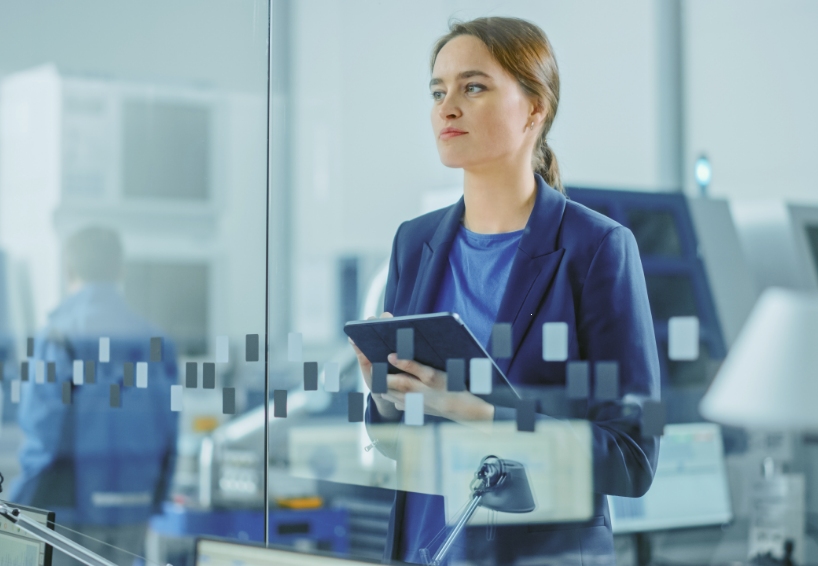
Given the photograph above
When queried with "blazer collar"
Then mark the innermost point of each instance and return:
(543, 228)
(539, 238)
(447, 229)
(434, 259)
(535, 265)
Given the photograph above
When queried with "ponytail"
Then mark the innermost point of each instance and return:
(545, 163)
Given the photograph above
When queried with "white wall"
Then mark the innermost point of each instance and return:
(751, 88)
(209, 42)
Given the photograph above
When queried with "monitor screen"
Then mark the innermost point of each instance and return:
(18, 547)
(655, 232)
(224, 553)
(690, 486)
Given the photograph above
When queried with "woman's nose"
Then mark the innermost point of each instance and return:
(449, 109)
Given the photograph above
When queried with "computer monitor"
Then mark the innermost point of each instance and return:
(689, 489)
(18, 547)
(214, 552)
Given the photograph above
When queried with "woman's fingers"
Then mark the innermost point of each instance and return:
(398, 398)
(428, 375)
(405, 383)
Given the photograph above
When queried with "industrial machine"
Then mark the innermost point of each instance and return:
(780, 241)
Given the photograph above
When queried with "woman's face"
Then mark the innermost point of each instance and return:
(485, 106)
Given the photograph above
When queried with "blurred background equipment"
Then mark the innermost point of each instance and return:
(694, 267)
(769, 382)
(780, 241)
(154, 162)
(690, 488)
(18, 546)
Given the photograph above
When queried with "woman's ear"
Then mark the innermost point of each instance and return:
(538, 113)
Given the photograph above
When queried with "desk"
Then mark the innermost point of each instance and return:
(699, 546)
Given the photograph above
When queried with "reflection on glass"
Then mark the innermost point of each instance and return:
(80, 457)
(441, 459)
(132, 192)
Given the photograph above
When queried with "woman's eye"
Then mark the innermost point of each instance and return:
(474, 87)
(438, 95)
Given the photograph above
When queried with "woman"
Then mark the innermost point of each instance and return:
(515, 250)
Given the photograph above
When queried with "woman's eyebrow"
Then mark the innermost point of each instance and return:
(463, 75)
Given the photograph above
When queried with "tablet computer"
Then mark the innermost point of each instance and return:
(438, 337)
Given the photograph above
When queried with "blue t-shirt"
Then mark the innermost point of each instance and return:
(472, 287)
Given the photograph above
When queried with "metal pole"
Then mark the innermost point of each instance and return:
(266, 460)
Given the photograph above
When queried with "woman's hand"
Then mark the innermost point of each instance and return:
(460, 406)
(385, 408)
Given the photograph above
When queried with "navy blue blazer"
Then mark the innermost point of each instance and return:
(575, 266)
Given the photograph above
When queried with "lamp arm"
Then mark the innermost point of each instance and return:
(440, 555)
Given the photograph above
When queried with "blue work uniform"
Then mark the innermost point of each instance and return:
(91, 462)
(575, 266)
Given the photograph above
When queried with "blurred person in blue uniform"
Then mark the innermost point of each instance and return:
(516, 250)
(104, 469)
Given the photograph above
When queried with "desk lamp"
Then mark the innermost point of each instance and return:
(499, 485)
(769, 380)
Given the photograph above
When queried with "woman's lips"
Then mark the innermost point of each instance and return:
(451, 134)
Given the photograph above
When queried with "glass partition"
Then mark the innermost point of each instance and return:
(586, 437)
(364, 162)
(133, 141)
(200, 204)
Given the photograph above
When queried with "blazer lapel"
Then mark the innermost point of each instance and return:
(433, 261)
(534, 267)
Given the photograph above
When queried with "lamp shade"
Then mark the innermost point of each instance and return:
(769, 380)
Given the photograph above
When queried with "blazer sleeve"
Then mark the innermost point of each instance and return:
(615, 324)
(393, 276)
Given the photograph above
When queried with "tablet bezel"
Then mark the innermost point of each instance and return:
(376, 352)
